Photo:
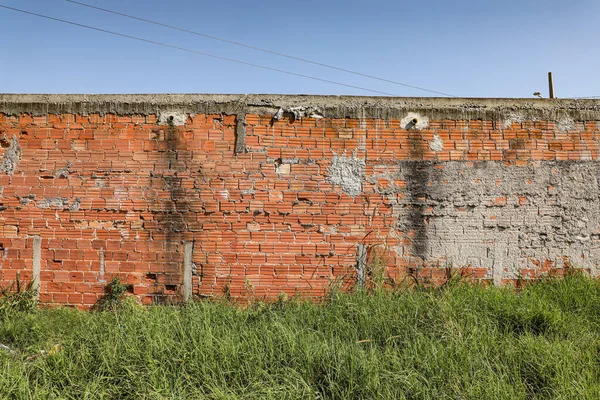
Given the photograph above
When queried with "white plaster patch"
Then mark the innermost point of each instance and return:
(298, 112)
(348, 173)
(565, 123)
(253, 227)
(414, 121)
(283, 169)
(513, 118)
(177, 118)
(53, 202)
(436, 144)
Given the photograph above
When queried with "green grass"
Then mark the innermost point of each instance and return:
(460, 342)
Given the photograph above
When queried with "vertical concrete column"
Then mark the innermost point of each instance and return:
(188, 252)
(240, 133)
(101, 255)
(361, 266)
(37, 265)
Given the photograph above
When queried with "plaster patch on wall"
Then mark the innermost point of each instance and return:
(512, 118)
(408, 122)
(348, 173)
(283, 169)
(75, 206)
(565, 123)
(176, 118)
(278, 115)
(384, 183)
(12, 155)
(298, 112)
(64, 172)
(436, 144)
(26, 199)
(59, 203)
(505, 219)
(53, 202)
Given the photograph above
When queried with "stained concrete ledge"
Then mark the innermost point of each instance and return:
(326, 106)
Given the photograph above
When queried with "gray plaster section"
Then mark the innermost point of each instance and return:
(348, 173)
(188, 267)
(37, 265)
(565, 123)
(328, 106)
(511, 118)
(64, 171)
(59, 203)
(53, 202)
(12, 156)
(75, 205)
(551, 214)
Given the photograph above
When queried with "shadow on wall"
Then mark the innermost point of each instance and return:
(418, 176)
(417, 190)
(169, 211)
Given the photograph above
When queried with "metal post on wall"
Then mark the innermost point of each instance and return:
(550, 85)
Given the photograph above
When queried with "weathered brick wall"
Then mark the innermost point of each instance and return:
(287, 194)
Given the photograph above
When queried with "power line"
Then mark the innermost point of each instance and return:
(258, 48)
(195, 51)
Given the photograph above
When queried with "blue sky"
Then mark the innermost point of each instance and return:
(468, 48)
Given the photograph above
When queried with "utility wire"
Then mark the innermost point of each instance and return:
(195, 51)
(258, 48)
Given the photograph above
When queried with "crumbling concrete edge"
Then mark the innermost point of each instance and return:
(434, 108)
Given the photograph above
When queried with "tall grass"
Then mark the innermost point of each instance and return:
(459, 342)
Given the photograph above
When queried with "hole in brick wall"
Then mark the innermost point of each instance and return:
(24, 133)
(4, 142)
(171, 288)
(151, 277)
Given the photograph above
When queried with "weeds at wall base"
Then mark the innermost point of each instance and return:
(115, 296)
(458, 341)
(17, 297)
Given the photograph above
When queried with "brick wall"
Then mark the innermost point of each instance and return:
(289, 194)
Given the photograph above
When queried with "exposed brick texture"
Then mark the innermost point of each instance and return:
(498, 198)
